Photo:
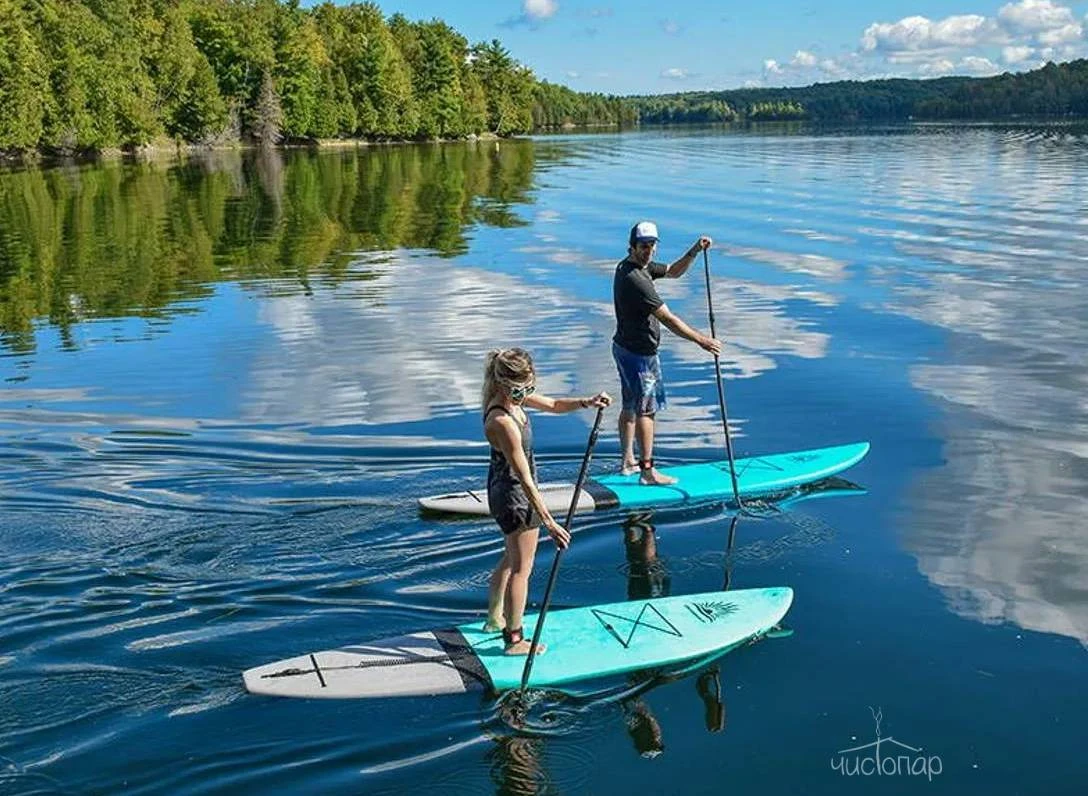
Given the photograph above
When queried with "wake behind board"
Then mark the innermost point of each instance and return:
(756, 475)
(583, 643)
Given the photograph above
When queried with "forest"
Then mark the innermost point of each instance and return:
(81, 75)
(1054, 90)
(94, 75)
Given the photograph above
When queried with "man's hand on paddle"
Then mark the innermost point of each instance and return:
(711, 345)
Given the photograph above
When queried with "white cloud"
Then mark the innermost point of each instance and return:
(1034, 16)
(942, 66)
(1066, 34)
(833, 68)
(802, 58)
(919, 34)
(1016, 54)
(676, 74)
(670, 27)
(977, 65)
(1024, 33)
(539, 9)
(572, 74)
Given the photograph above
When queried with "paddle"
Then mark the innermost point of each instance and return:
(721, 387)
(729, 551)
(555, 562)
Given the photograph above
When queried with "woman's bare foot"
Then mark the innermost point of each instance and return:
(628, 468)
(522, 648)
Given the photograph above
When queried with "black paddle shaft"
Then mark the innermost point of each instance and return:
(555, 562)
(721, 387)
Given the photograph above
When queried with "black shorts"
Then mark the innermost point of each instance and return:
(512, 511)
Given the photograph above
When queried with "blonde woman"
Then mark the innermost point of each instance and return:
(512, 493)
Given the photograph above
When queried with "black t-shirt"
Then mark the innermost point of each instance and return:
(635, 299)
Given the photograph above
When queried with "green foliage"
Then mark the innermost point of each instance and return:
(674, 109)
(1053, 90)
(776, 111)
(304, 81)
(95, 74)
(267, 118)
(92, 74)
(23, 87)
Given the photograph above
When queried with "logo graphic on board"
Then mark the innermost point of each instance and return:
(711, 611)
(801, 458)
(633, 624)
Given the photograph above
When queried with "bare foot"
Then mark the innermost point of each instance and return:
(652, 477)
(522, 648)
(494, 626)
(628, 468)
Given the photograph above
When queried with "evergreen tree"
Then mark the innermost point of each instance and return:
(23, 87)
(267, 117)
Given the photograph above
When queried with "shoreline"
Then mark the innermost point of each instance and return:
(167, 149)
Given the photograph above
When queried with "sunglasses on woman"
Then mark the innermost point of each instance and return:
(522, 392)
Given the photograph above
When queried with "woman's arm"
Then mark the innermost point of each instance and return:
(559, 406)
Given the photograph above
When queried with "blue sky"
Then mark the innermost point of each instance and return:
(685, 45)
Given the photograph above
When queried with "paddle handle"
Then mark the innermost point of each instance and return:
(555, 561)
(721, 386)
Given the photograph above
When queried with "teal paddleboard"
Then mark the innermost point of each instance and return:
(582, 643)
(756, 475)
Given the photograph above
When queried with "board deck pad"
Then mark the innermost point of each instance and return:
(756, 475)
(582, 643)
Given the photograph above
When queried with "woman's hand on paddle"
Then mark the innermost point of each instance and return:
(559, 534)
(710, 345)
(598, 401)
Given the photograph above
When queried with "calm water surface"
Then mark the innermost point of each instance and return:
(226, 381)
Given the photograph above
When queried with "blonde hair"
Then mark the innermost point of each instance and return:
(505, 367)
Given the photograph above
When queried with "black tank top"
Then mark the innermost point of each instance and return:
(500, 475)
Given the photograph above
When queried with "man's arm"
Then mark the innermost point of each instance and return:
(678, 327)
(681, 266)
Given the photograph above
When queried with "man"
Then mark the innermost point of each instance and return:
(639, 313)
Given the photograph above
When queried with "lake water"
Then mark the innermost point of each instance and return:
(226, 381)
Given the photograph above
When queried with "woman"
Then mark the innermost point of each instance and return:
(512, 493)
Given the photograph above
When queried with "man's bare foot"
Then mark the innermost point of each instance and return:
(494, 626)
(522, 648)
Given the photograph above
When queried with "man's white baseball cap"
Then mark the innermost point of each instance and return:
(643, 231)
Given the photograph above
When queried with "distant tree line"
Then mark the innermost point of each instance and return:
(99, 74)
(1052, 90)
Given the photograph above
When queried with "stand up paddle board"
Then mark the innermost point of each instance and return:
(582, 643)
(757, 475)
